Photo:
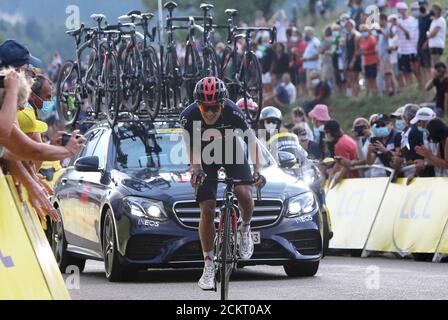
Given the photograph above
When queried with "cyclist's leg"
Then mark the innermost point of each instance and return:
(243, 191)
(206, 198)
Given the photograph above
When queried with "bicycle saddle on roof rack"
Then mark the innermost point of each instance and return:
(98, 17)
(206, 6)
(170, 5)
(147, 15)
(231, 12)
(130, 13)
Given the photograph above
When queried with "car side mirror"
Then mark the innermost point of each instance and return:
(286, 159)
(88, 164)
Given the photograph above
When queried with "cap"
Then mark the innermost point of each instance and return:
(401, 6)
(15, 54)
(423, 114)
(28, 122)
(414, 6)
(398, 113)
(320, 113)
(381, 117)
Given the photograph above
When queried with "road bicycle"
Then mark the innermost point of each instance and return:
(140, 67)
(242, 74)
(226, 238)
(98, 86)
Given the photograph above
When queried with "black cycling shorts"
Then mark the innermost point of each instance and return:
(208, 190)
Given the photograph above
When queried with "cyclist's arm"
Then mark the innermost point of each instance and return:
(255, 151)
(193, 148)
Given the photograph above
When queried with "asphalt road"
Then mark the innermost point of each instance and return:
(337, 278)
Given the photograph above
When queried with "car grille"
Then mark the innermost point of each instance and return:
(307, 242)
(146, 247)
(266, 212)
(268, 249)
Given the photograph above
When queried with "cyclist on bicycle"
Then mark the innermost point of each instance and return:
(212, 110)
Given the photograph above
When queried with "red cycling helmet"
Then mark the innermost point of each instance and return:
(210, 90)
(252, 106)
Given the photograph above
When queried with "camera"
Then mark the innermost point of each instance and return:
(66, 137)
(359, 130)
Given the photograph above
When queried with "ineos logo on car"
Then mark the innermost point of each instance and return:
(148, 223)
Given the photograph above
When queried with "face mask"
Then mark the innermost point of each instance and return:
(316, 132)
(381, 132)
(270, 127)
(423, 130)
(336, 34)
(423, 10)
(48, 106)
(364, 34)
(294, 39)
(415, 13)
(400, 125)
(307, 38)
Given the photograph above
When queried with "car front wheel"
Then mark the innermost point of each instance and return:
(115, 272)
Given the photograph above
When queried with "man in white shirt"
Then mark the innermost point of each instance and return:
(311, 62)
(290, 88)
(436, 34)
(406, 28)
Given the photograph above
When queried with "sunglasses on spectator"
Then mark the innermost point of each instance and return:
(210, 107)
(271, 121)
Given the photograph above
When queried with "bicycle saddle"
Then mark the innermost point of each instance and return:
(170, 5)
(130, 13)
(98, 17)
(147, 15)
(231, 12)
(206, 6)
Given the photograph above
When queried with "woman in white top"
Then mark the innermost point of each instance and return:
(299, 117)
(436, 34)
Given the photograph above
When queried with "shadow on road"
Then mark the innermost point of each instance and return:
(189, 275)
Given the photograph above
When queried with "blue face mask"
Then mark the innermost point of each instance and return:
(400, 125)
(48, 106)
(364, 34)
(307, 38)
(380, 132)
(316, 132)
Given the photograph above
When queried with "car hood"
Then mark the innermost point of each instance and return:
(175, 186)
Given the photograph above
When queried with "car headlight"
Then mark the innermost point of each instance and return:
(302, 204)
(145, 208)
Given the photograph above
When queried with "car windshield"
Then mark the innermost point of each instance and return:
(141, 147)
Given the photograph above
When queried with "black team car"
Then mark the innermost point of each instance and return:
(126, 199)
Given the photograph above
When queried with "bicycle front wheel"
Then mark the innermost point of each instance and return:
(68, 99)
(252, 86)
(225, 255)
(111, 89)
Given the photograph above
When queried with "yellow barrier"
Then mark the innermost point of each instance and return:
(28, 269)
(353, 205)
(412, 217)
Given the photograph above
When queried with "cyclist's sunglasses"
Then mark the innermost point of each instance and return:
(210, 107)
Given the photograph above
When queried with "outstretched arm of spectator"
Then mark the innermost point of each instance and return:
(24, 148)
(9, 108)
(429, 84)
(37, 195)
(371, 156)
(431, 158)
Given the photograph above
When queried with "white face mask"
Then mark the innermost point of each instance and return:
(315, 82)
(294, 39)
(270, 127)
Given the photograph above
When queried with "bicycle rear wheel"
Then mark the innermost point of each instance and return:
(131, 69)
(210, 63)
(68, 98)
(191, 73)
(252, 87)
(172, 83)
(229, 67)
(111, 89)
(152, 87)
(225, 255)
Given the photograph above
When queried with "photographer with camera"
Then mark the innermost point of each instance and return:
(385, 143)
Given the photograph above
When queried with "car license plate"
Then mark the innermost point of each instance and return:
(256, 237)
